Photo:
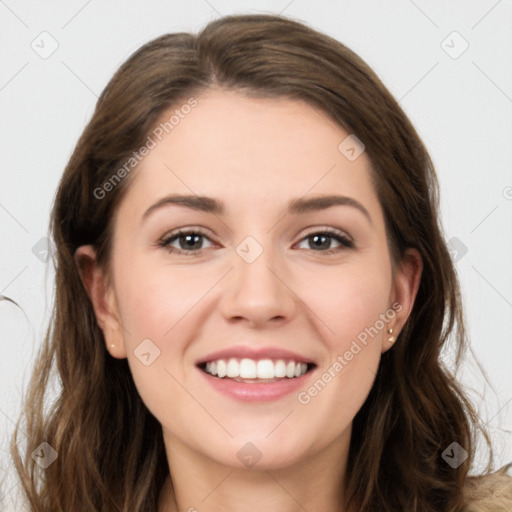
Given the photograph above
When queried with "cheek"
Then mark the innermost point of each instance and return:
(349, 304)
(157, 305)
(349, 301)
(155, 298)
(155, 343)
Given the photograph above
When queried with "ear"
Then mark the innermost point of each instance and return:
(405, 288)
(103, 299)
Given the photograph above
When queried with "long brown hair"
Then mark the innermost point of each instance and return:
(110, 448)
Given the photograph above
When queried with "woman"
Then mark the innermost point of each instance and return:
(252, 293)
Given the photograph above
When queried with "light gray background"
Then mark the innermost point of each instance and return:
(460, 104)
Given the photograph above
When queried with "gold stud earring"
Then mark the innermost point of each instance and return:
(391, 338)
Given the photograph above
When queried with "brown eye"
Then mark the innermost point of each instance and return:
(187, 242)
(322, 241)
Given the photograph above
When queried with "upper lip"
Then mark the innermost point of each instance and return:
(242, 352)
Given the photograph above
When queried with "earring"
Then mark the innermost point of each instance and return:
(391, 338)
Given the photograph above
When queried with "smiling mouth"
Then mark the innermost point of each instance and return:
(251, 371)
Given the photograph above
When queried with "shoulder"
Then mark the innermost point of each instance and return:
(489, 493)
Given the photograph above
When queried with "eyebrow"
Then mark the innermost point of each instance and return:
(295, 206)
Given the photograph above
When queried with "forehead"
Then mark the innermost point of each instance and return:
(250, 152)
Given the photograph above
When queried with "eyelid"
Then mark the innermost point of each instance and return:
(329, 230)
(186, 230)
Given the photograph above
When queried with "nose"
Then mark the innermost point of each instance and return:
(258, 292)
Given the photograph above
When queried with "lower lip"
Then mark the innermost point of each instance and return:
(255, 392)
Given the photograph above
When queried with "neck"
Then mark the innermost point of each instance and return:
(197, 483)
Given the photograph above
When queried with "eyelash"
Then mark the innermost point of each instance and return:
(165, 242)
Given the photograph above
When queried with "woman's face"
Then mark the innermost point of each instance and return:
(261, 284)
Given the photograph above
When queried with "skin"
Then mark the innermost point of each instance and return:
(255, 155)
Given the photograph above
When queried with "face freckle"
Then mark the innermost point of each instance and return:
(260, 278)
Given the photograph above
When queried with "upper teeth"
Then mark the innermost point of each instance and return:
(252, 369)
